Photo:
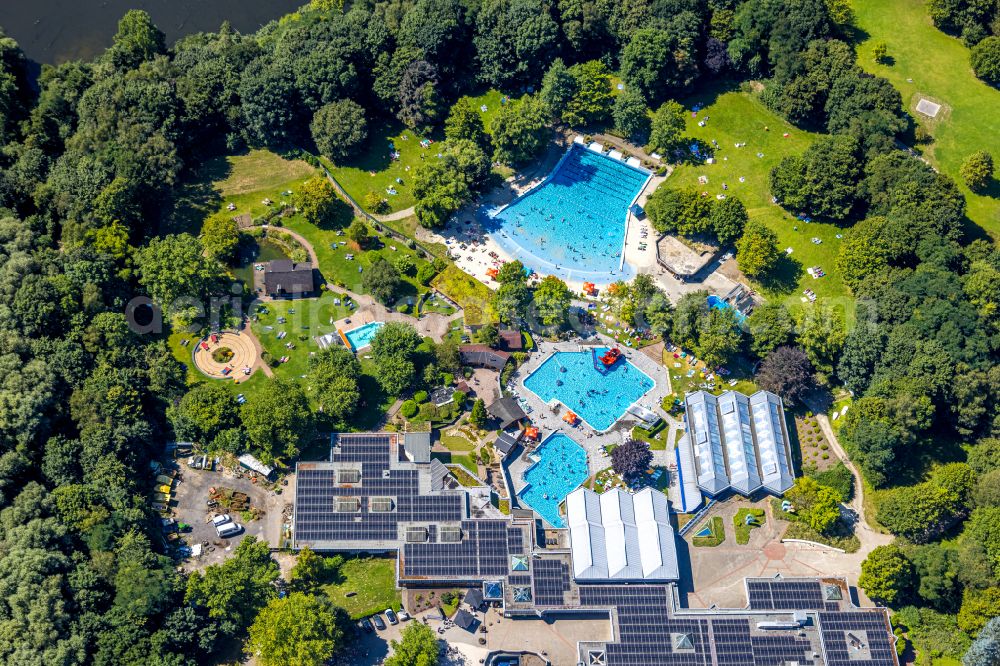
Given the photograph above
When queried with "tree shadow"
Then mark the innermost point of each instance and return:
(197, 198)
(784, 277)
(992, 189)
(375, 155)
(708, 94)
(854, 34)
(340, 217)
(972, 231)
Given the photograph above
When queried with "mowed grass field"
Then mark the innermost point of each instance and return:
(735, 116)
(365, 586)
(244, 180)
(925, 62)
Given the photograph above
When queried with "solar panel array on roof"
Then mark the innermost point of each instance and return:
(877, 638)
(551, 582)
(481, 553)
(515, 541)
(389, 496)
(785, 594)
(646, 627)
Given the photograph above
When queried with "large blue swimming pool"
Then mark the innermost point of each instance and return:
(361, 336)
(598, 397)
(559, 469)
(573, 224)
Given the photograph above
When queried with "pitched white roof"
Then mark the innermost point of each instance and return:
(619, 536)
(772, 441)
(737, 442)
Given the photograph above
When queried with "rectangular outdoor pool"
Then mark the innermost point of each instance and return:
(598, 396)
(560, 467)
(361, 337)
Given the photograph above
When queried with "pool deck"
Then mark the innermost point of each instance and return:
(549, 421)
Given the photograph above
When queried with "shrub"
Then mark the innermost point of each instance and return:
(403, 308)
(428, 412)
(408, 409)
(426, 273)
(420, 397)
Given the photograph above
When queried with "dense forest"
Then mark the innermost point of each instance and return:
(92, 156)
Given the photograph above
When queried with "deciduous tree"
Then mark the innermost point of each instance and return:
(277, 420)
(339, 129)
(787, 372)
(381, 280)
(977, 170)
(667, 127)
(631, 114)
(757, 249)
(887, 575)
(299, 630)
(631, 458)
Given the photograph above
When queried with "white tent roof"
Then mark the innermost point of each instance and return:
(618, 536)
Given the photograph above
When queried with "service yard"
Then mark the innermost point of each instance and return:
(191, 506)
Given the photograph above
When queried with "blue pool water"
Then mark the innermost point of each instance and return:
(361, 336)
(560, 468)
(573, 224)
(719, 304)
(599, 398)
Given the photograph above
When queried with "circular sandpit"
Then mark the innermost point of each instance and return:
(209, 356)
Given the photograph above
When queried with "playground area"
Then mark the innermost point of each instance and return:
(228, 355)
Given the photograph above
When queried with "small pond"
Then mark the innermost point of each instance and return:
(254, 251)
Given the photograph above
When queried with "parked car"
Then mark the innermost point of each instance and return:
(403, 615)
(221, 519)
(227, 530)
(379, 624)
(365, 625)
(391, 616)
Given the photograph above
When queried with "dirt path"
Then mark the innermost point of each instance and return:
(398, 215)
(866, 533)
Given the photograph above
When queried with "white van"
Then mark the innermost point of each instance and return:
(229, 529)
(221, 520)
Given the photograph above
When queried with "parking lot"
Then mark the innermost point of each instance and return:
(190, 506)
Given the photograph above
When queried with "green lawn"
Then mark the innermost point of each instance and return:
(491, 99)
(341, 271)
(245, 180)
(740, 370)
(740, 527)
(656, 438)
(366, 586)
(736, 117)
(305, 319)
(925, 62)
(457, 444)
(466, 460)
(355, 175)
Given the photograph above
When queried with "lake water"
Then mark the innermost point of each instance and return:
(54, 31)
